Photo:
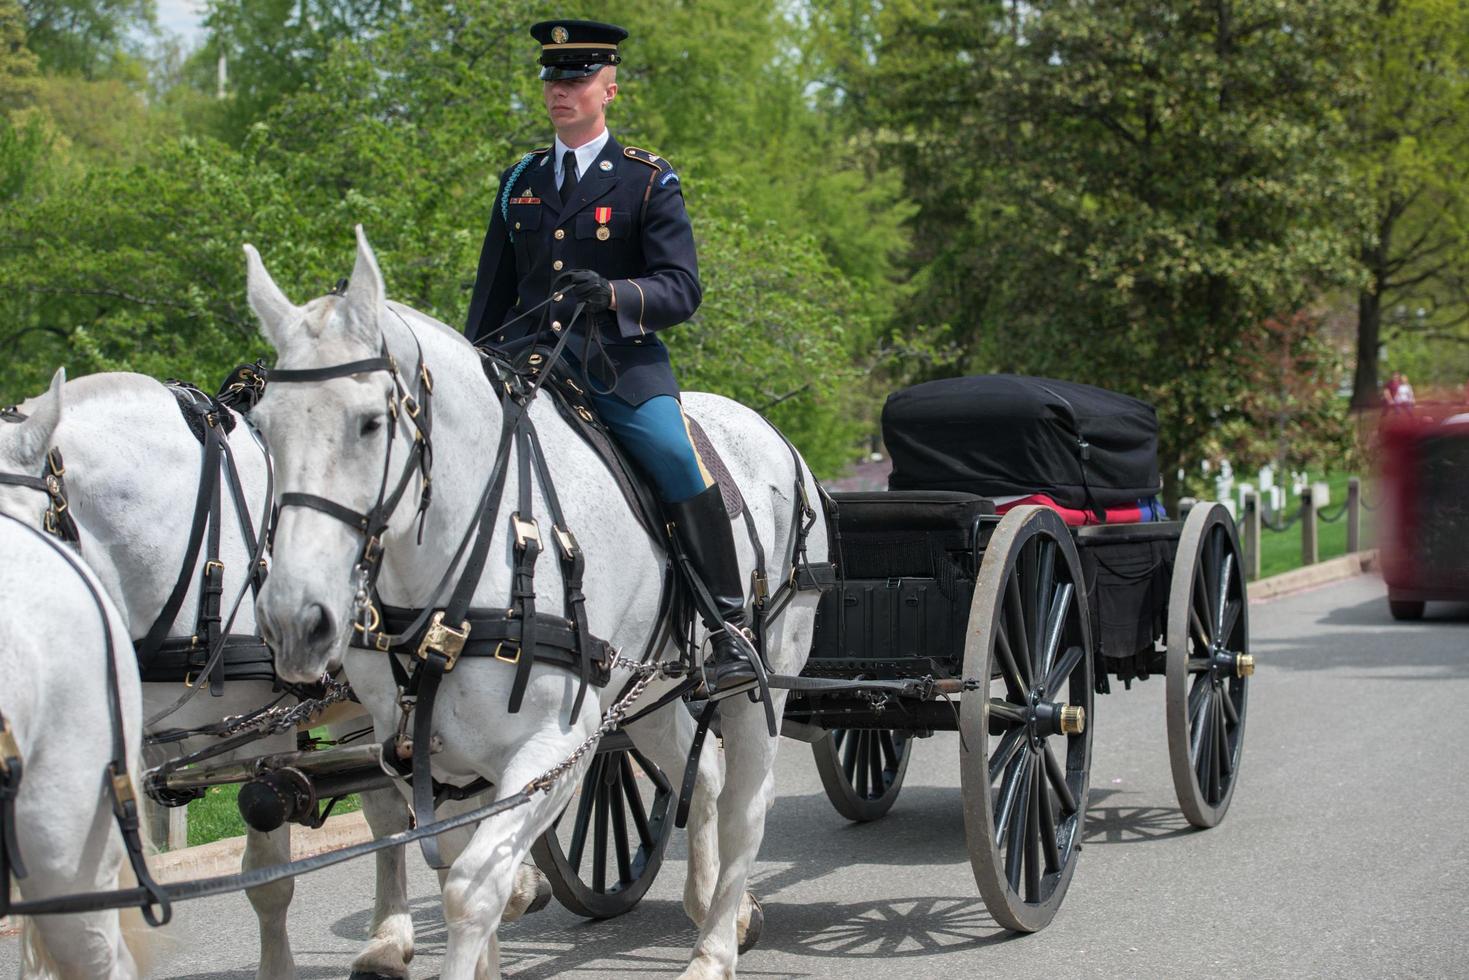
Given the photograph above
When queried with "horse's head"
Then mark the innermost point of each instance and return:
(329, 433)
(25, 438)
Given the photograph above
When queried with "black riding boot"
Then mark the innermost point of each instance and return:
(704, 531)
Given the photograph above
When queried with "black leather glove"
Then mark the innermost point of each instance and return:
(590, 288)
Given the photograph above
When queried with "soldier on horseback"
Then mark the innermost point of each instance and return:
(606, 224)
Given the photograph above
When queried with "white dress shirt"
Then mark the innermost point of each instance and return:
(586, 155)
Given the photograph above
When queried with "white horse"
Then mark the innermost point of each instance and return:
(54, 658)
(330, 439)
(132, 472)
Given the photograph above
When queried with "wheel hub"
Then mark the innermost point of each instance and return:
(1049, 718)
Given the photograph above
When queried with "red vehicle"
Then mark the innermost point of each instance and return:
(1424, 536)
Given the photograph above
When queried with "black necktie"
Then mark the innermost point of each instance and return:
(568, 175)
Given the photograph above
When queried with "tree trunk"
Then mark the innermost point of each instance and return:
(1369, 333)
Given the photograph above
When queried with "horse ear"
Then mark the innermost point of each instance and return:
(365, 292)
(36, 432)
(271, 306)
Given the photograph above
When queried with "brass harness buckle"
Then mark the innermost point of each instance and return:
(8, 747)
(445, 640)
(525, 531)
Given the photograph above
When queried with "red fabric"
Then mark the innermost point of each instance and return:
(1076, 518)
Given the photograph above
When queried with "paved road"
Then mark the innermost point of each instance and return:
(1344, 854)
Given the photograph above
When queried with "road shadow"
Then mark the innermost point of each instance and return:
(1108, 821)
(1432, 649)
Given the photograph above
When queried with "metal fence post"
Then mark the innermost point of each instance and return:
(1354, 515)
(1309, 551)
(1252, 535)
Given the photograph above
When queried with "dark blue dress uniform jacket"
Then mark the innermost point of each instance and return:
(648, 256)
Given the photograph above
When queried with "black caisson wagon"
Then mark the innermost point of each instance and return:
(1019, 618)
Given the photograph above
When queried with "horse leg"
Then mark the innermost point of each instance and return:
(665, 737)
(749, 755)
(531, 891)
(271, 901)
(389, 947)
(479, 884)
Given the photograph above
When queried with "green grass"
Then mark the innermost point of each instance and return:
(216, 816)
(1281, 552)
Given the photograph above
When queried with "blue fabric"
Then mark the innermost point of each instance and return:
(655, 436)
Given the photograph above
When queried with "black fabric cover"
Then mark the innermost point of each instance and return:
(1006, 434)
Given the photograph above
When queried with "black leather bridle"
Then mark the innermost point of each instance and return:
(371, 526)
(57, 519)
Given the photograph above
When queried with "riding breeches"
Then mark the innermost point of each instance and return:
(656, 435)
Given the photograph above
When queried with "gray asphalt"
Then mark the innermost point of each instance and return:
(1344, 853)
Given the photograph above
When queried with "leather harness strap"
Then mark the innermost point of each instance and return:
(154, 901)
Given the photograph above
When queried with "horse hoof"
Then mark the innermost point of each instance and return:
(543, 895)
(754, 927)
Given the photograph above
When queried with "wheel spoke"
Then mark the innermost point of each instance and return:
(1197, 696)
(874, 763)
(1199, 665)
(635, 805)
(619, 830)
(1015, 839)
(1033, 842)
(1062, 672)
(1014, 625)
(1045, 598)
(599, 841)
(1205, 689)
(1058, 782)
(1056, 626)
(1226, 574)
(859, 784)
(1228, 621)
(1230, 711)
(1199, 601)
(1046, 805)
(1009, 790)
(1010, 743)
(1226, 764)
(1199, 633)
(584, 814)
(1213, 794)
(1204, 740)
(891, 754)
(849, 754)
(1013, 678)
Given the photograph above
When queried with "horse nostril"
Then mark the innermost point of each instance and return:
(319, 626)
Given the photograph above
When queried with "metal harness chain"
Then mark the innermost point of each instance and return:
(611, 718)
(282, 717)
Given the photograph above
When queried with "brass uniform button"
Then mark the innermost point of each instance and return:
(556, 265)
(517, 226)
(560, 233)
(556, 325)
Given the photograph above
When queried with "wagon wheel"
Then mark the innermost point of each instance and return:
(862, 769)
(622, 813)
(1209, 664)
(1027, 746)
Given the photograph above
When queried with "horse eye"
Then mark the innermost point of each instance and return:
(371, 425)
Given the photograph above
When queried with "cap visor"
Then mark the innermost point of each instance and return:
(551, 73)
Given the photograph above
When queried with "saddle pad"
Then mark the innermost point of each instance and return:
(734, 502)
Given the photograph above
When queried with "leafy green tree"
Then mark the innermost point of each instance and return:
(18, 69)
(1122, 193)
(1412, 164)
(86, 37)
(273, 48)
